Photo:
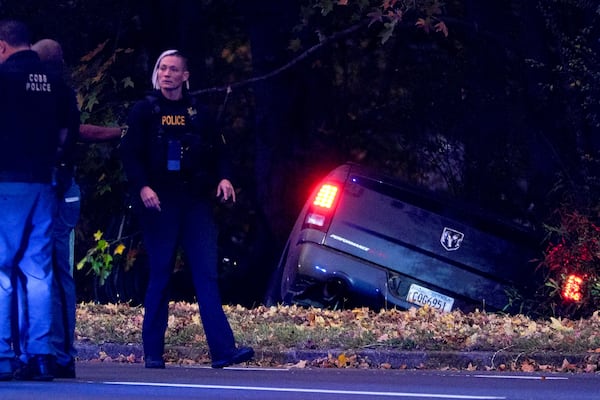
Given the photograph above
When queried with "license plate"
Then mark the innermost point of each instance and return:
(423, 296)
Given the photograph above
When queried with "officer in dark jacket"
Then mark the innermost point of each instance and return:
(174, 159)
(33, 114)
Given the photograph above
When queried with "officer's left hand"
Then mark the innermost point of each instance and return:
(225, 189)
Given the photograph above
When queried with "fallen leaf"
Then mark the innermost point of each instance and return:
(527, 366)
(559, 326)
(300, 364)
(591, 368)
(567, 366)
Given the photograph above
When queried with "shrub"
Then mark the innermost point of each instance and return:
(571, 264)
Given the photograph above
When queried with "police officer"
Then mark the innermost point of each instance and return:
(174, 159)
(34, 112)
(65, 220)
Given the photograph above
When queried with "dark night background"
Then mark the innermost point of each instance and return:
(502, 112)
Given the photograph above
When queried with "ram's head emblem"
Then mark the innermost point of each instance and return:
(451, 239)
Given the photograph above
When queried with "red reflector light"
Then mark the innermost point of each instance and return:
(326, 196)
(572, 288)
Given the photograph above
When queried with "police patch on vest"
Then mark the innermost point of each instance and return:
(451, 239)
(38, 83)
(172, 120)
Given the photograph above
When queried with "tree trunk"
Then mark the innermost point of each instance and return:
(275, 166)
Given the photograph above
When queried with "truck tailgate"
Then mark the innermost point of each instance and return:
(456, 251)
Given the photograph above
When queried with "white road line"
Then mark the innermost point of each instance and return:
(303, 390)
(535, 378)
(247, 369)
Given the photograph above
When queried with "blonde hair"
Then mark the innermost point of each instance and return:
(172, 52)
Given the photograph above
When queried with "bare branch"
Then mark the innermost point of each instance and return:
(336, 36)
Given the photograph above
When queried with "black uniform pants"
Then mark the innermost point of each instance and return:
(188, 221)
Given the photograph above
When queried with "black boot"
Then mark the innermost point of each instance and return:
(154, 362)
(38, 368)
(66, 371)
(240, 355)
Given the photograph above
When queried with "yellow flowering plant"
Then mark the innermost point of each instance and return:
(103, 256)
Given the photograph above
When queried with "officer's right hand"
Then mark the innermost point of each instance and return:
(150, 198)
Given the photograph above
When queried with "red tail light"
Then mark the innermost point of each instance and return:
(326, 196)
(573, 288)
(322, 206)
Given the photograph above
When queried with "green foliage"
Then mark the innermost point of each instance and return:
(392, 81)
(102, 77)
(385, 15)
(573, 29)
(102, 257)
(580, 58)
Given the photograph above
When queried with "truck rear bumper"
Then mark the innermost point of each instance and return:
(315, 271)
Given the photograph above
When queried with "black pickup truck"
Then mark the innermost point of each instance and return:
(363, 239)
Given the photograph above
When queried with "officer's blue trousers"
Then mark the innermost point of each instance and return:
(188, 221)
(64, 299)
(26, 215)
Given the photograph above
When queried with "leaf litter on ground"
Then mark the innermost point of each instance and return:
(349, 332)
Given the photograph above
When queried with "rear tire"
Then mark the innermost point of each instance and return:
(273, 295)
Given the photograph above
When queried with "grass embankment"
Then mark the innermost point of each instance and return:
(349, 332)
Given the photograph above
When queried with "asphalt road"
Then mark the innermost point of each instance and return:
(98, 380)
